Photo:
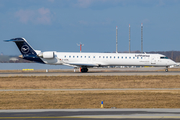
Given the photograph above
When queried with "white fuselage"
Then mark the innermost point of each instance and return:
(108, 59)
(87, 60)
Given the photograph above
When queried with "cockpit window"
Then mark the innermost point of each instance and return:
(164, 58)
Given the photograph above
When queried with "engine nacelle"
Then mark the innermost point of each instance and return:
(47, 55)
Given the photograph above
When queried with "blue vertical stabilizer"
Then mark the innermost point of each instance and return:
(26, 50)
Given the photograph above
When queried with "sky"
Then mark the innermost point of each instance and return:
(59, 25)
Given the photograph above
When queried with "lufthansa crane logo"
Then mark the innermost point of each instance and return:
(25, 49)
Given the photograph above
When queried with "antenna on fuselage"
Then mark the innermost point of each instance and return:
(80, 46)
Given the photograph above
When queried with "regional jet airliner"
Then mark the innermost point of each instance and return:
(88, 60)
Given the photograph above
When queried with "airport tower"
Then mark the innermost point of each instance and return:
(129, 38)
(141, 38)
(116, 39)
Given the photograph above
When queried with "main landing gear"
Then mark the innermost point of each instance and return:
(166, 70)
(84, 69)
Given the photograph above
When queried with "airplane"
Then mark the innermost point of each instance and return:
(84, 60)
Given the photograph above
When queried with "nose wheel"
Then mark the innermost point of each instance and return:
(166, 70)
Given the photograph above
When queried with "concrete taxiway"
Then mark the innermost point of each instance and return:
(82, 114)
(117, 73)
(94, 72)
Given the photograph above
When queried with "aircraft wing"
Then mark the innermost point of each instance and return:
(77, 64)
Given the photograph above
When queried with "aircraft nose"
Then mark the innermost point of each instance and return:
(172, 62)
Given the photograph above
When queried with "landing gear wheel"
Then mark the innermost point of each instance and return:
(83, 70)
(166, 70)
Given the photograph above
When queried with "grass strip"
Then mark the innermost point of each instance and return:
(89, 82)
(89, 99)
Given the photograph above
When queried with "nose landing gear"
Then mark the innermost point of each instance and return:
(166, 70)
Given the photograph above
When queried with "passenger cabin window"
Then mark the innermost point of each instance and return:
(77, 56)
(114, 57)
(129, 57)
(99, 56)
(64, 56)
(69, 56)
(164, 58)
(73, 56)
(89, 56)
(93, 56)
(81, 56)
